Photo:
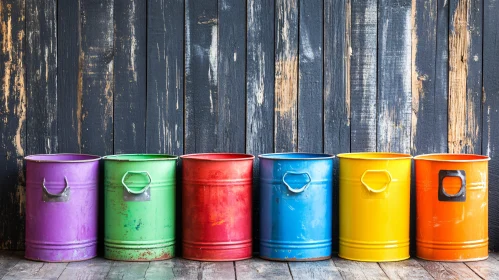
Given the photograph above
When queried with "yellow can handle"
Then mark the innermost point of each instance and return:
(388, 175)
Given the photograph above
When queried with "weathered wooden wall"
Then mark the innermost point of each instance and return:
(255, 76)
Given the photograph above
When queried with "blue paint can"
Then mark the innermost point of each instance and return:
(296, 206)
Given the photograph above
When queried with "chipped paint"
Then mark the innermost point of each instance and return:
(213, 69)
(7, 50)
(417, 83)
(461, 113)
(133, 42)
(79, 96)
(348, 57)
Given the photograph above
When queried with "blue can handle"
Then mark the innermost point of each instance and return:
(303, 188)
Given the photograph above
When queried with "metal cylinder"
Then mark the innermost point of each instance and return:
(61, 207)
(216, 206)
(296, 206)
(139, 207)
(374, 206)
(452, 207)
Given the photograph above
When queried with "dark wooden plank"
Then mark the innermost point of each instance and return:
(408, 269)
(314, 270)
(95, 77)
(13, 123)
(363, 75)
(262, 269)
(7, 261)
(25, 269)
(465, 47)
(487, 269)
(286, 75)
(165, 77)
(394, 82)
(448, 270)
(337, 27)
(127, 270)
(201, 76)
(490, 143)
(68, 55)
(359, 270)
(93, 269)
(130, 74)
(41, 76)
(231, 76)
(310, 83)
(259, 92)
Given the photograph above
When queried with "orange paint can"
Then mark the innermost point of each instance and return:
(452, 207)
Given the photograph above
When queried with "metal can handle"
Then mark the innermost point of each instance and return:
(442, 194)
(56, 197)
(303, 188)
(136, 172)
(388, 175)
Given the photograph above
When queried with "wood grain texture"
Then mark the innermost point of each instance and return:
(490, 116)
(310, 76)
(314, 270)
(337, 50)
(259, 92)
(408, 269)
(12, 123)
(68, 50)
(26, 269)
(7, 261)
(130, 47)
(231, 76)
(93, 269)
(487, 269)
(127, 270)
(254, 269)
(178, 268)
(165, 77)
(394, 82)
(465, 47)
(359, 270)
(95, 77)
(363, 66)
(448, 270)
(286, 76)
(41, 76)
(201, 76)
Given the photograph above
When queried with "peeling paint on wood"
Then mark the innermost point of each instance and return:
(286, 76)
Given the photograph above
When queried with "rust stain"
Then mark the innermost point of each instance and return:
(79, 96)
(7, 50)
(460, 111)
(348, 46)
(417, 84)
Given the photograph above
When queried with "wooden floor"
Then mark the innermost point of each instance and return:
(13, 266)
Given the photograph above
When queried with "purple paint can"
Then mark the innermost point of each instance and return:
(61, 207)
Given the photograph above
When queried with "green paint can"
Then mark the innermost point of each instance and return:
(139, 207)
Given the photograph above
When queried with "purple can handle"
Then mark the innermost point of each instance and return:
(59, 197)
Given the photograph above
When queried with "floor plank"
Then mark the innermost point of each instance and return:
(179, 268)
(487, 269)
(93, 269)
(408, 269)
(257, 268)
(448, 270)
(359, 270)
(314, 270)
(26, 269)
(160, 270)
(127, 270)
(7, 261)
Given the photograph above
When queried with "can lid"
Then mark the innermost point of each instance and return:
(218, 156)
(446, 157)
(62, 158)
(375, 156)
(296, 156)
(140, 157)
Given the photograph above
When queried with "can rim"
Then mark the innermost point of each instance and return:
(156, 157)
(472, 157)
(379, 156)
(203, 156)
(32, 158)
(314, 156)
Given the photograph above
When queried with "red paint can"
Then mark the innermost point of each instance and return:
(216, 206)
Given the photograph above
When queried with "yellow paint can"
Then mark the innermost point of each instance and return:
(374, 202)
